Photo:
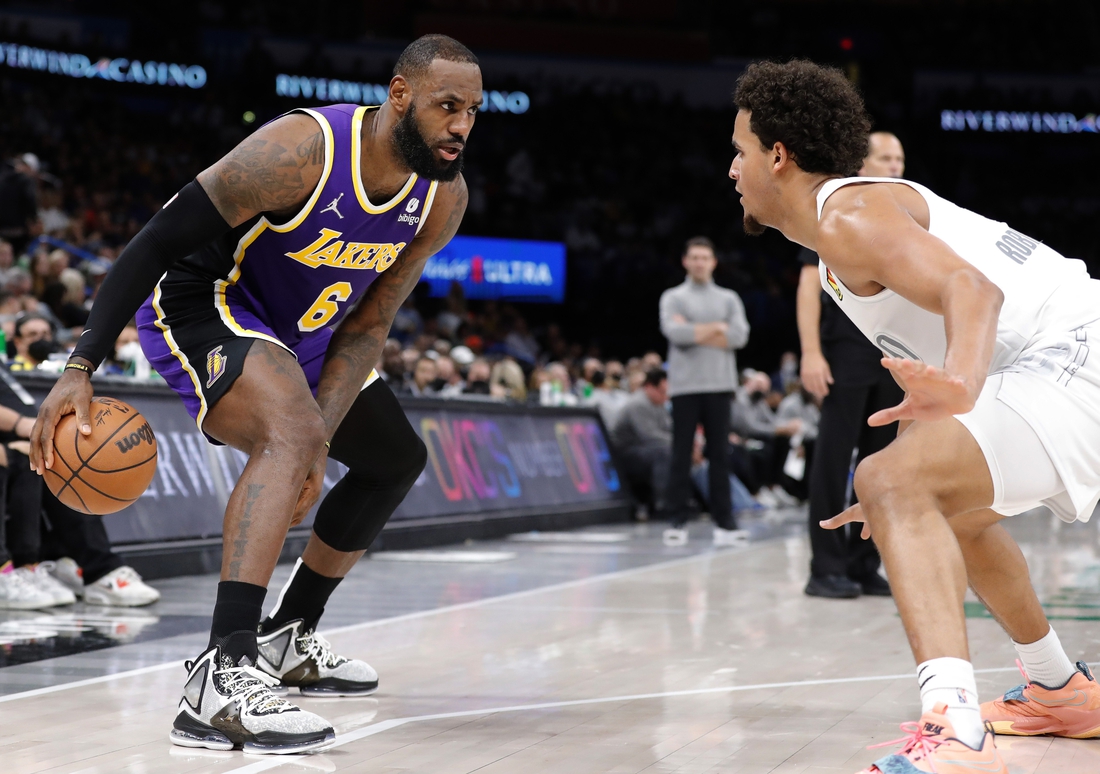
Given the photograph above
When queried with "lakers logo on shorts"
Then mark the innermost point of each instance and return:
(833, 284)
(215, 365)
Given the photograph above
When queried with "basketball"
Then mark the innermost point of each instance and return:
(109, 469)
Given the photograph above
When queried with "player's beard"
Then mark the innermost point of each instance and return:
(418, 154)
(753, 227)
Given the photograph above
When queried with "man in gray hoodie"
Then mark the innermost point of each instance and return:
(704, 324)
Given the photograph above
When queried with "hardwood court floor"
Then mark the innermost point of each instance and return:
(706, 662)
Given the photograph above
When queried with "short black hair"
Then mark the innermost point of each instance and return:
(419, 55)
(811, 109)
(654, 377)
(25, 317)
(698, 241)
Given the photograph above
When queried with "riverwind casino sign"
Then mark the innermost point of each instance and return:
(118, 69)
(334, 90)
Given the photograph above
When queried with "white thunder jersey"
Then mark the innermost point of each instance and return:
(1027, 272)
(1046, 327)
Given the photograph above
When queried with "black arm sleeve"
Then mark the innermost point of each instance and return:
(186, 223)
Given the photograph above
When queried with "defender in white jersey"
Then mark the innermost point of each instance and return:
(988, 331)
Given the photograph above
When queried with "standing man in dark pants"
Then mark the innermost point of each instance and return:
(840, 366)
(704, 324)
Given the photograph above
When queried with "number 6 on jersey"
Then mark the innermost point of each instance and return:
(325, 307)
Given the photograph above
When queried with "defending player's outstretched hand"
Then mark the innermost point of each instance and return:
(931, 393)
(72, 393)
(855, 513)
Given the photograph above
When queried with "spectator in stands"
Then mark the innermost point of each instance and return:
(17, 281)
(606, 396)
(704, 324)
(424, 374)
(583, 386)
(448, 381)
(409, 356)
(477, 378)
(804, 407)
(65, 300)
(740, 496)
(47, 268)
(766, 440)
(392, 366)
(463, 356)
(7, 255)
(19, 200)
(121, 361)
(784, 380)
(642, 439)
(651, 360)
(507, 381)
(34, 341)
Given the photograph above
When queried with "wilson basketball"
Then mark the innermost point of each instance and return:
(109, 469)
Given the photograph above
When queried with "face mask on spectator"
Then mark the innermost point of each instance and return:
(128, 352)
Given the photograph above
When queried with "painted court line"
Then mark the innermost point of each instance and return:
(386, 725)
(395, 619)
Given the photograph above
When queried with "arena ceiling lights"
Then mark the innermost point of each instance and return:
(120, 70)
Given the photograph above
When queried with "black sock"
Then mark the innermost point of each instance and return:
(303, 597)
(238, 608)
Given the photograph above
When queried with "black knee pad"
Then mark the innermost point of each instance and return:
(358, 507)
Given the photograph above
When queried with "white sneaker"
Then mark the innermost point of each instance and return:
(730, 537)
(304, 659)
(121, 588)
(675, 537)
(16, 593)
(228, 705)
(38, 577)
(766, 498)
(68, 572)
(785, 499)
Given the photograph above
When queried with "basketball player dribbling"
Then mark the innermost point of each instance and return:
(988, 332)
(275, 276)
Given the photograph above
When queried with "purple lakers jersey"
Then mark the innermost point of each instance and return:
(299, 278)
(303, 275)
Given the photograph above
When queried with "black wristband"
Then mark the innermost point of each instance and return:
(186, 223)
(78, 367)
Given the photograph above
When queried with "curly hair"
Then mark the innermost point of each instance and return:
(813, 110)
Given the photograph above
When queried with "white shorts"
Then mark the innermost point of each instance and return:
(1038, 425)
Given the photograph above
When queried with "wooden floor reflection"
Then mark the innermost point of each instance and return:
(713, 662)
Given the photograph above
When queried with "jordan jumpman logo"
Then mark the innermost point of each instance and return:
(332, 207)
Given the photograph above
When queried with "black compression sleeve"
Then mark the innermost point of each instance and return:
(186, 223)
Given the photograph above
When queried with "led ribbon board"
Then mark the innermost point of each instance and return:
(509, 269)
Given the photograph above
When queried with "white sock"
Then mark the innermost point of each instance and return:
(951, 681)
(1046, 661)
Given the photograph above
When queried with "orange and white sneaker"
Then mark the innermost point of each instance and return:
(1032, 709)
(930, 747)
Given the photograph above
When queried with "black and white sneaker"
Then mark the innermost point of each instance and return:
(229, 705)
(301, 658)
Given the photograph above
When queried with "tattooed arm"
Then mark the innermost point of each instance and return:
(357, 343)
(274, 170)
